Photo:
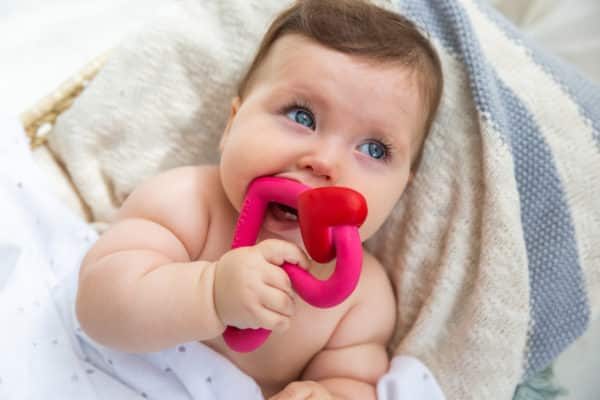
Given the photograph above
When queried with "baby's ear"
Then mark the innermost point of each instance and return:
(235, 106)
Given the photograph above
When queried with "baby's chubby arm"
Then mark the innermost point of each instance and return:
(355, 356)
(142, 287)
(138, 287)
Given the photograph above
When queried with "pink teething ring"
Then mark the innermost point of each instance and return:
(329, 218)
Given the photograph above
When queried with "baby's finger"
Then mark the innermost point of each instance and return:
(278, 301)
(274, 321)
(279, 251)
(277, 278)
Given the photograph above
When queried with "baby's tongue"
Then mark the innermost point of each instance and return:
(282, 212)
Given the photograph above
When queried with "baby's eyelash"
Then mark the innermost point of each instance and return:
(298, 102)
(389, 149)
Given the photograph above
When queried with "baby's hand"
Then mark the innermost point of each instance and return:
(251, 290)
(303, 390)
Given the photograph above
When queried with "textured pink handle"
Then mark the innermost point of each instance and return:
(344, 239)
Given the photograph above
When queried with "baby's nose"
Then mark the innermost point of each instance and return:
(321, 169)
(323, 162)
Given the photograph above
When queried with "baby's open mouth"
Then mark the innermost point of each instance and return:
(281, 212)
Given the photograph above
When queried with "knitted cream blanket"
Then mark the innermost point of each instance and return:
(494, 250)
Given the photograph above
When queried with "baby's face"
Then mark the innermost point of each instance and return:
(324, 118)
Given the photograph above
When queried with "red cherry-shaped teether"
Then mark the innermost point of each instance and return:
(321, 209)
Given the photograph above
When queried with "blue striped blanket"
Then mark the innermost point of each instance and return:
(494, 248)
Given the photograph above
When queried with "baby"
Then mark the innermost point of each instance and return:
(340, 93)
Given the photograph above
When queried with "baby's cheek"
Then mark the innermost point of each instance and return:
(377, 214)
(368, 228)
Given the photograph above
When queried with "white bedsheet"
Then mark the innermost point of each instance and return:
(41, 243)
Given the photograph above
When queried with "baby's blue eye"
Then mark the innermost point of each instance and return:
(302, 116)
(374, 149)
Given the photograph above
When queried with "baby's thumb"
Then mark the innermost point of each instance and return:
(280, 251)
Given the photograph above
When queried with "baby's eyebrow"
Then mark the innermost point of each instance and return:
(304, 91)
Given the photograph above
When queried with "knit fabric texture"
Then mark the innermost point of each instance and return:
(493, 249)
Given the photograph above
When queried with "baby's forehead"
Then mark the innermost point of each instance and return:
(295, 56)
(278, 54)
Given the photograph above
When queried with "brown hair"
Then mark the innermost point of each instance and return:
(357, 27)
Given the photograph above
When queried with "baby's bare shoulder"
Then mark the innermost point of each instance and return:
(374, 274)
(181, 180)
(372, 316)
(170, 191)
(375, 292)
(179, 199)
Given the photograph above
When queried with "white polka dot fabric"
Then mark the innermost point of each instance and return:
(41, 242)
